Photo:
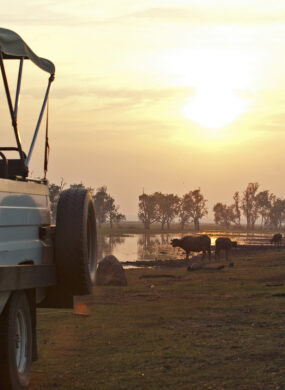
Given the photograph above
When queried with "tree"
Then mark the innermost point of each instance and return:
(183, 211)
(167, 208)
(100, 201)
(192, 206)
(277, 212)
(250, 205)
(54, 194)
(82, 186)
(236, 209)
(263, 201)
(148, 212)
(77, 186)
(112, 212)
(161, 208)
(105, 207)
(172, 202)
(224, 214)
(119, 217)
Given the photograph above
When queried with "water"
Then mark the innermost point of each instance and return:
(143, 247)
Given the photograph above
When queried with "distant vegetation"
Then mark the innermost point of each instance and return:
(106, 209)
(169, 212)
(263, 206)
(165, 208)
(191, 208)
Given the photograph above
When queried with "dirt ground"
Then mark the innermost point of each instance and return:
(172, 329)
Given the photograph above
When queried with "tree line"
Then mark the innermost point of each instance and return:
(191, 208)
(251, 204)
(105, 207)
(165, 208)
(254, 205)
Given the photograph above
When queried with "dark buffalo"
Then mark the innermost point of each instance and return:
(276, 239)
(194, 244)
(225, 244)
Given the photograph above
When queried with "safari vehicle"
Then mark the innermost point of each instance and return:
(40, 265)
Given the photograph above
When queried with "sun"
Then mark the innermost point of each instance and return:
(214, 107)
(218, 76)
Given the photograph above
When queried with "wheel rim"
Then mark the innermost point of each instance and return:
(21, 342)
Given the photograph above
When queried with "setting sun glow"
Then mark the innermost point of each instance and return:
(164, 95)
(214, 108)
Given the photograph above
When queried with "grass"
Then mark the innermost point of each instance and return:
(200, 330)
(136, 227)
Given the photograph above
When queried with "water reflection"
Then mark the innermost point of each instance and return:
(139, 247)
(155, 247)
(107, 244)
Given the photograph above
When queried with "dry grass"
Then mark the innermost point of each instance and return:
(201, 330)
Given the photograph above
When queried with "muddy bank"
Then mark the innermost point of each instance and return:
(241, 250)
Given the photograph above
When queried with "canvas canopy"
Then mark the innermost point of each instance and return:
(12, 46)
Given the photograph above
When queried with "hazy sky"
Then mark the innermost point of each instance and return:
(165, 95)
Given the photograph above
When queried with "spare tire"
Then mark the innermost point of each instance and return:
(76, 241)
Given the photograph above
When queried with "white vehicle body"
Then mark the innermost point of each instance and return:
(41, 265)
(24, 208)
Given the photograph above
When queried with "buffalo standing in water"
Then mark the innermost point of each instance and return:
(194, 244)
(224, 243)
(276, 239)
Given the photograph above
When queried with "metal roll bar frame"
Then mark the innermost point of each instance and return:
(14, 112)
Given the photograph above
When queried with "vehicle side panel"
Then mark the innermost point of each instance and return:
(25, 277)
(24, 207)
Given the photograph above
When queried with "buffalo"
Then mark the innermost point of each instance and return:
(200, 243)
(276, 239)
(224, 243)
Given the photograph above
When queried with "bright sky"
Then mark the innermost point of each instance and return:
(165, 95)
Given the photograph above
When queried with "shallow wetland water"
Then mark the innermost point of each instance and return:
(144, 247)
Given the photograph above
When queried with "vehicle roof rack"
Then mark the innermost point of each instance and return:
(13, 47)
